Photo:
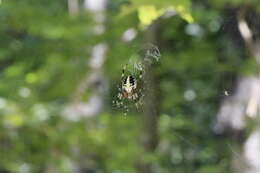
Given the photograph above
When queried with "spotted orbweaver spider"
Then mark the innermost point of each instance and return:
(131, 85)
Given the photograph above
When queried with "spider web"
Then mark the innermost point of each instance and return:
(145, 56)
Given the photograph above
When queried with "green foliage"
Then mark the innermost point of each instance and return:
(148, 11)
(43, 59)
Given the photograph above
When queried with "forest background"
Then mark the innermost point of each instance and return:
(60, 69)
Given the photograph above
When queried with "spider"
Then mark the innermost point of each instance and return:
(130, 87)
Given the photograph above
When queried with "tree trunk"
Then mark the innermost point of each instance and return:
(149, 134)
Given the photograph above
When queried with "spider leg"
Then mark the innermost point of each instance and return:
(120, 96)
(123, 71)
(135, 96)
(141, 74)
(135, 84)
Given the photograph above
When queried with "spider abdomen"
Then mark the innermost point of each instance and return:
(129, 84)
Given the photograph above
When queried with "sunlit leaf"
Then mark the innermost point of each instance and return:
(148, 11)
